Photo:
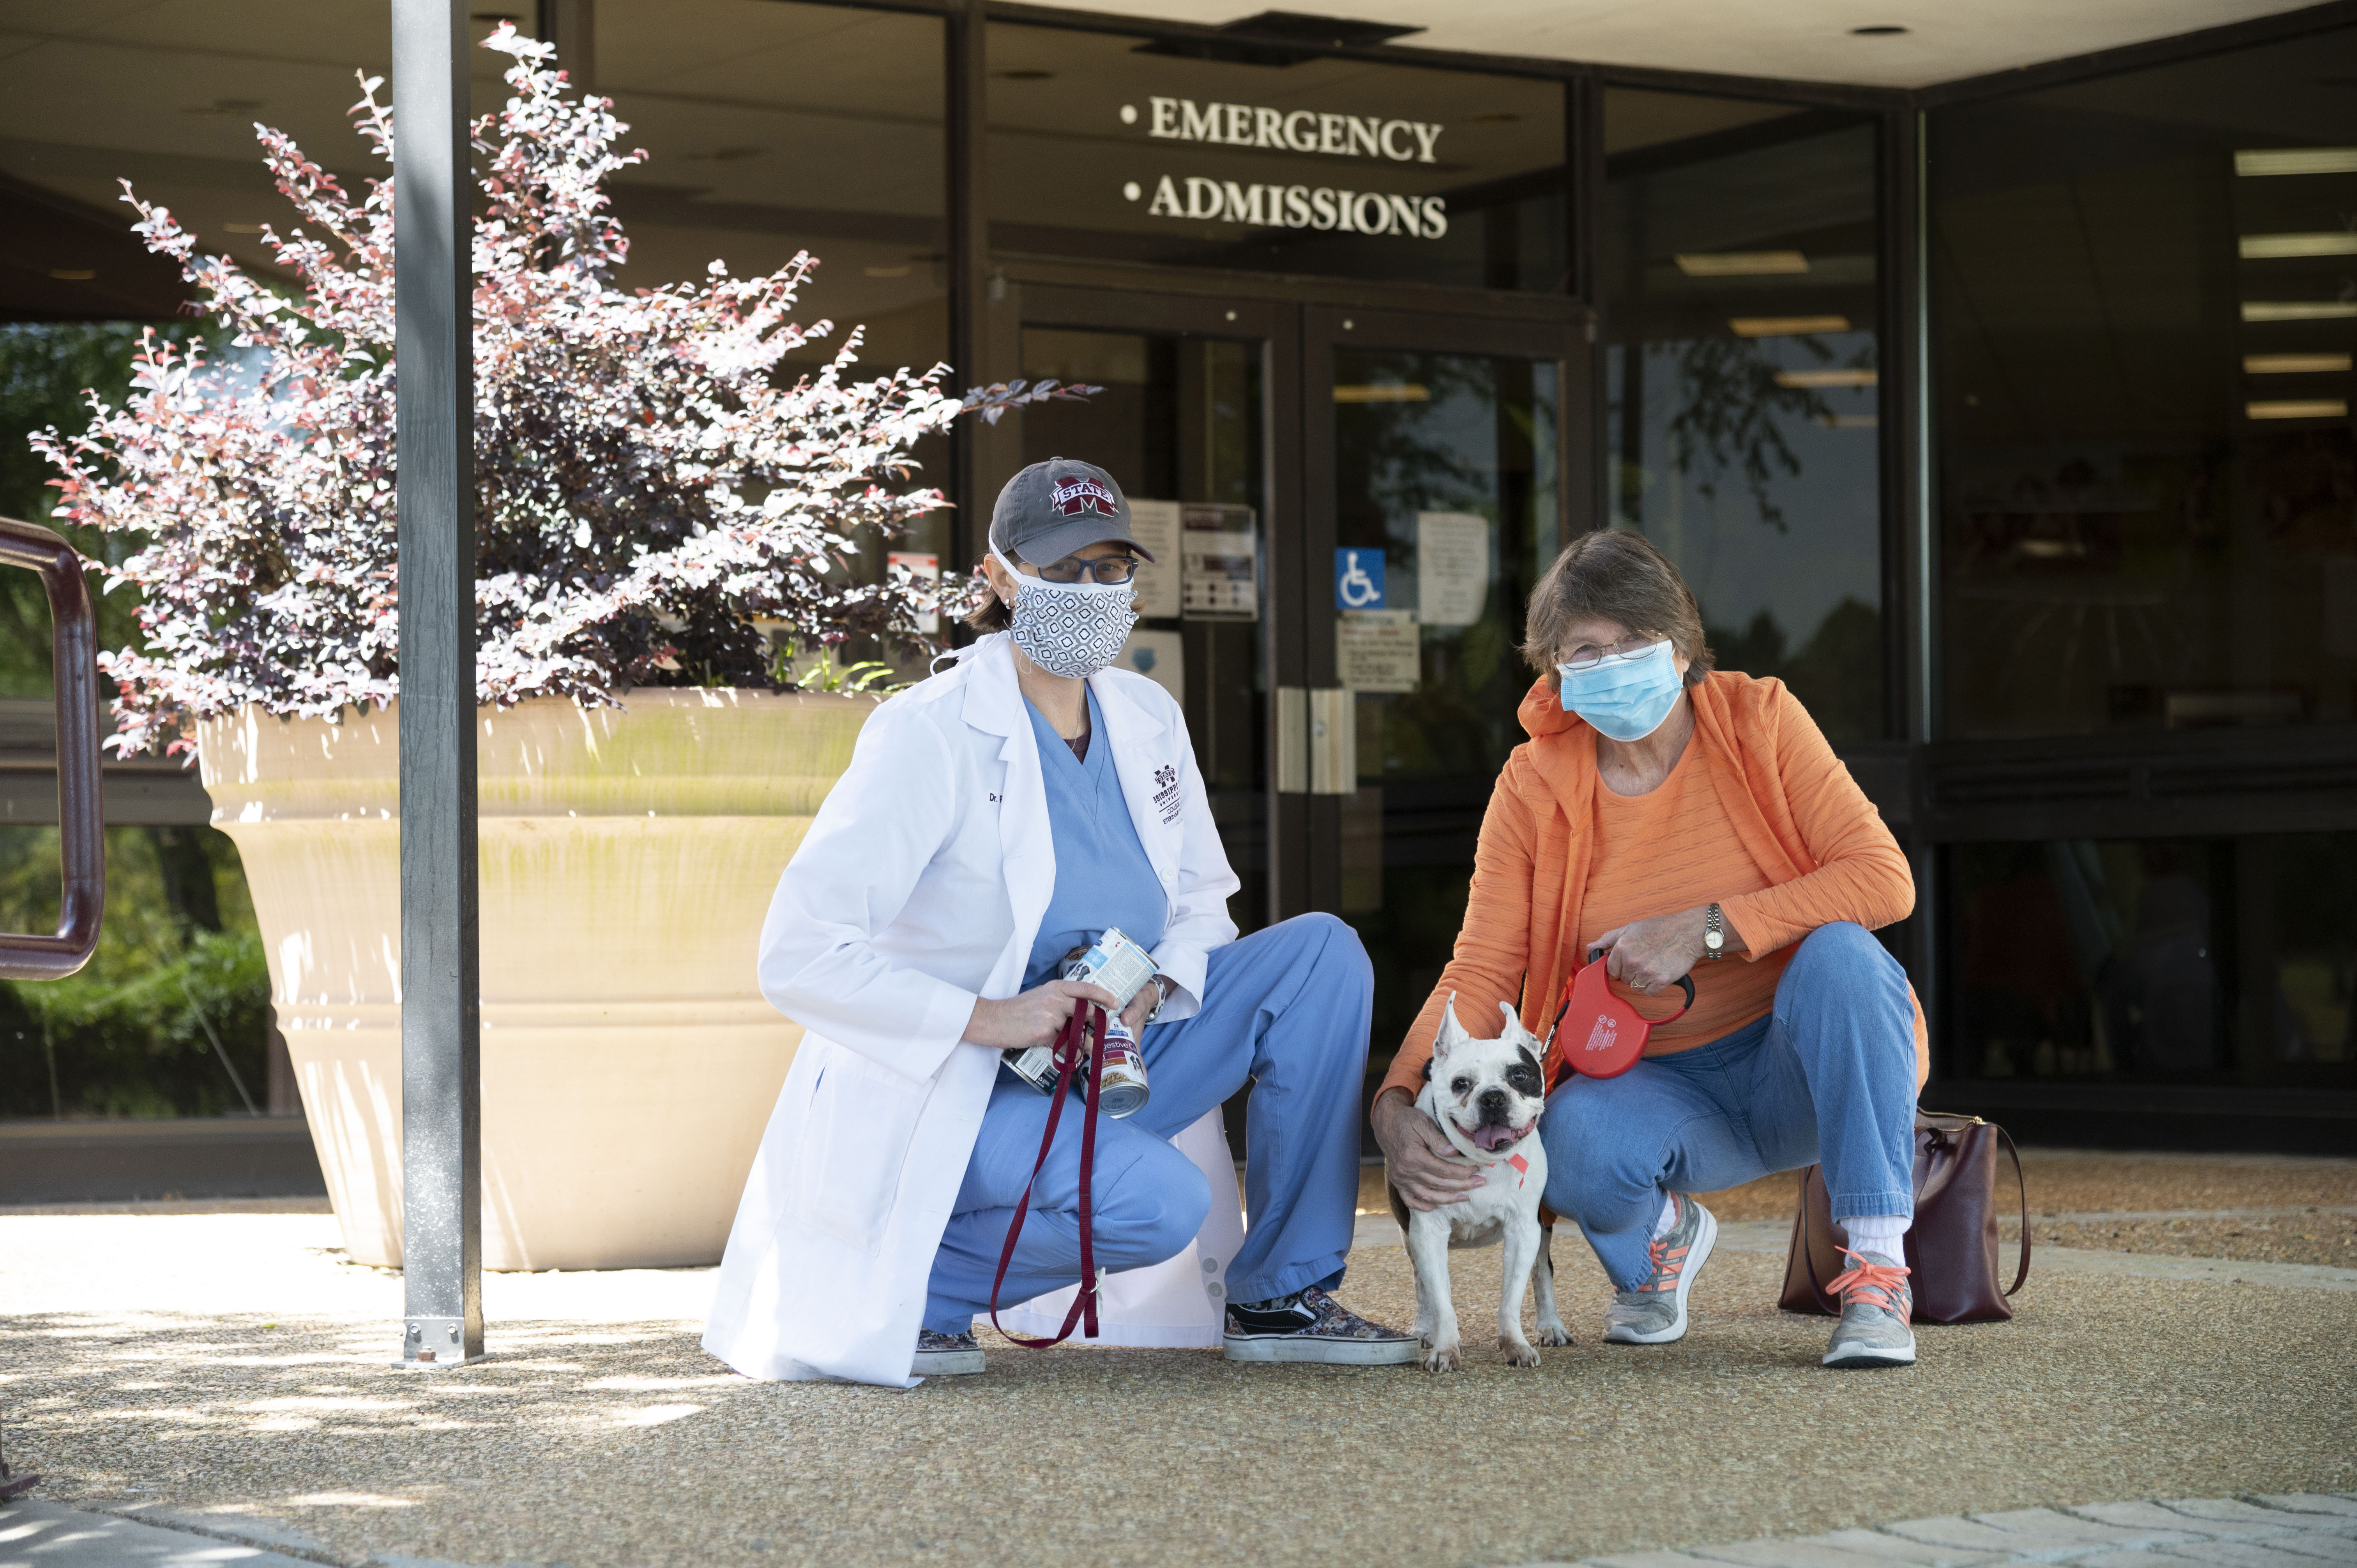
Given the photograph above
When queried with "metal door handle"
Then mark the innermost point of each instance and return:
(1333, 741)
(1291, 740)
(1316, 741)
(82, 839)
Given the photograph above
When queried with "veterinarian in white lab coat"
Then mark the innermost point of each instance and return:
(993, 818)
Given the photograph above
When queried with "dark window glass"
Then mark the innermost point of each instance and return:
(776, 128)
(1438, 457)
(1737, 257)
(167, 97)
(2156, 960)
(2144, 306)
(771, 128)
(1111, 145)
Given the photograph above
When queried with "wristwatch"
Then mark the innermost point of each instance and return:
(1713, 935)
(1161, 997)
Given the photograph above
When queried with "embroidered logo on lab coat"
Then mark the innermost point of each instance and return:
(1165, 793)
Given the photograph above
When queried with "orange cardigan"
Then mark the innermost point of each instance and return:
(1817, 840)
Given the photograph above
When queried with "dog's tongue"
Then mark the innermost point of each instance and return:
(1490, 1139)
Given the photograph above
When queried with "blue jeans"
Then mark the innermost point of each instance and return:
(1287, 1009)
(1828, 1075)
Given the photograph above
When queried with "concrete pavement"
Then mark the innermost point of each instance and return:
(227, 1372)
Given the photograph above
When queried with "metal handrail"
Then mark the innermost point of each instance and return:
(74, 640)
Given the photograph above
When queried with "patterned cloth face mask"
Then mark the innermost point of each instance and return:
(1072, 629)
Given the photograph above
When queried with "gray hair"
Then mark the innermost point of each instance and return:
(1615, 575)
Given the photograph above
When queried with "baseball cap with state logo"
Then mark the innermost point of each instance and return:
(1052, 508)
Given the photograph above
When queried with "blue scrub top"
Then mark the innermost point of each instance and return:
(1102, 876)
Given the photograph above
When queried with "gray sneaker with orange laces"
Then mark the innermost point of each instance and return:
(1655, 1313)
(1877, 1306)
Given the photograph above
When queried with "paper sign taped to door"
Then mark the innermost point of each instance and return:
(1155, 526)
(1377, 651)
(1219, 551)
(1159, 656)
(1452, 567)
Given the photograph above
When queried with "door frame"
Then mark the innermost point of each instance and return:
(1568, 341)
(1276, 327)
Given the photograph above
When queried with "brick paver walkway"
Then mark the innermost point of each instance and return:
(2298, 1530)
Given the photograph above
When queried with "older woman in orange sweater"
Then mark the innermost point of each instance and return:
(1674, 816)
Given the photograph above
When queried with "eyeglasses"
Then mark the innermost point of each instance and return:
(1110, 570)
(1588, 655)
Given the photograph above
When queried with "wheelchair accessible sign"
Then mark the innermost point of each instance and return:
(1358, 579)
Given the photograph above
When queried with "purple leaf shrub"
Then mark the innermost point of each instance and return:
(652, 503)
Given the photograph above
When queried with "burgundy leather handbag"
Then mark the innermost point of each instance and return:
(1951, 1247)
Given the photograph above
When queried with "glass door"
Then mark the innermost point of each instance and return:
(1183, 423)
(1435, 457)
(1349, 510)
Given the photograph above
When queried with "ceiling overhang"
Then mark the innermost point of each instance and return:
(1907, 44)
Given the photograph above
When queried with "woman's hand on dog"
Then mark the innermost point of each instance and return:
(1033, 1018)
(1417, 1156)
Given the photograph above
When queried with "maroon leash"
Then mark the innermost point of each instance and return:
(1084, 1031)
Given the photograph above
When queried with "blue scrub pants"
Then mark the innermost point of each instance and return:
(1288, 1008)
(1828, 1075)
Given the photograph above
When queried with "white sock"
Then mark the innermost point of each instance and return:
(1669, 1215)
(1880, 1233)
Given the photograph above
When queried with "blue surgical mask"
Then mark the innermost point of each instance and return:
(1627, 699)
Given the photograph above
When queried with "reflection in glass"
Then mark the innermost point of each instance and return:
(771, 128)
(1445, 464)
(2141, 293)
(774, 128)
(1736, 252)
(2157, 959)
(1179, 420)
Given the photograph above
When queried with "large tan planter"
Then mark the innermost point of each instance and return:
(628, 857)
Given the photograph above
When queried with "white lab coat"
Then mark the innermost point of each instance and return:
(918, 888)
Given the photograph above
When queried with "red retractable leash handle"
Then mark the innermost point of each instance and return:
(1084, 1030)
(1617, 1037)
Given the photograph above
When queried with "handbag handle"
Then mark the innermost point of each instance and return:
(1808, 1253)
(2023, 1272)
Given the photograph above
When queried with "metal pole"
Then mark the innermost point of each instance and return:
(441, 1085)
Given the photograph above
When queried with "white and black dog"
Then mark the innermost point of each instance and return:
(1486, 1095)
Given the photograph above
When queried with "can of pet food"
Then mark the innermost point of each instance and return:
(1115, 962)
(1124, 1091)
(1122, 967)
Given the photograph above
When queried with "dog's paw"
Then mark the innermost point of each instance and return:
(1518, 1352)
(1442, 1359)
(1554, 1336)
